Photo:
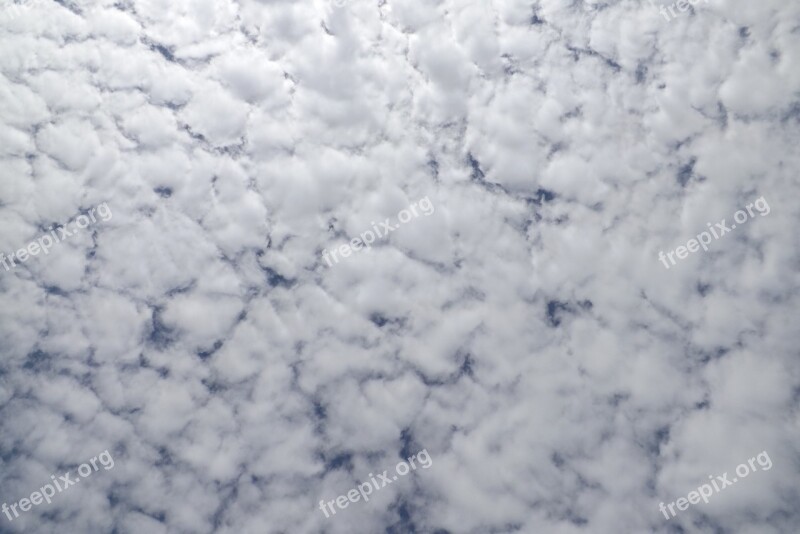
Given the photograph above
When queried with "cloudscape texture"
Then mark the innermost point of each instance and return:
(553, 330)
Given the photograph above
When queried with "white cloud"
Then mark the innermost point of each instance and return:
(525, 333)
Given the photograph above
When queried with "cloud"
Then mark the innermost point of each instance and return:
(525, 333)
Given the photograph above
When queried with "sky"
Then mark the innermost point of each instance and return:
(532, 261)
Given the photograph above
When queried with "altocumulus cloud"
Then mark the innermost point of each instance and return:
(524, 334)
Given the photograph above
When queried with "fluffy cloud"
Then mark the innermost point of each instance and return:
(525, 333)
